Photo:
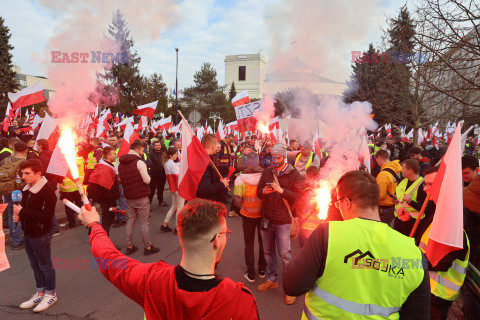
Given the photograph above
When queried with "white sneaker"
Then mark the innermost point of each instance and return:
(47, 301)
(34, 300)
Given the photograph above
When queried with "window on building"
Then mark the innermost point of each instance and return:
(242, 71)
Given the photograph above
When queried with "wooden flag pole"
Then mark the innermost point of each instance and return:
(213, 164)
(420, 215)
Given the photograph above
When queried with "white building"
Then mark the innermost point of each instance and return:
(248, 72)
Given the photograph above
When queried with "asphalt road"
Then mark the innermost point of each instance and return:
(83, 293)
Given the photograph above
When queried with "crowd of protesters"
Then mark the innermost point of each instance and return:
(274, 195)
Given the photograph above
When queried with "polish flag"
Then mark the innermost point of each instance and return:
(232, 126)
(129, 137)
(273, 135)
(36, 122)
(274, 123)
(200, 133)
(122, 125)
(28, 96)
(446, 234)
(147, 110)
(241, 99)
(192, 165)
(116, 119)
(8, 116)
(50, 131)
(171, 171)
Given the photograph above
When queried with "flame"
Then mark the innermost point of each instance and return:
(323, 198)
(67, 146)
(263, 128)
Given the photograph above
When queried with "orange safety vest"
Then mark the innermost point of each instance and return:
(251, 204)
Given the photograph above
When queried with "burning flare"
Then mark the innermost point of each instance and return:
(67, 146)
(262, 127)
(323, 198)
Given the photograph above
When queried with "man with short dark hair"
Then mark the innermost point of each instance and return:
(135, 180)
(387, 180)
(35, 215)
(190, 290)
(211, 186)
(410, 196)
(157, 173)
(469, 169)
(225, 154)
(416, 153)
(343, 260)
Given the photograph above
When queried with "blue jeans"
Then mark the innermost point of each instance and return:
(39, 254)
(54, 223)
(278, 234)
(15, 230)
(120, 204)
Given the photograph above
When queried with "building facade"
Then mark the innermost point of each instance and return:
(247, 71)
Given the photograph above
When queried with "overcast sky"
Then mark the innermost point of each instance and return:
(206, 31)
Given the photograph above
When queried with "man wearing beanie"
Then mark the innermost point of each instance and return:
(279, 187)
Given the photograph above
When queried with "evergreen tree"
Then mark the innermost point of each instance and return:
(7, 75)
(123, 80)
(232, 93)
(206, 95)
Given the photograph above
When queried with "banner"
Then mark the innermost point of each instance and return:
(245, 119)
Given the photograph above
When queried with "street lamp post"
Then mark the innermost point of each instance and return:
(176, 90)
(215, 116)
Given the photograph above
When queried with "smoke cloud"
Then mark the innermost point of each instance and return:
(82, 29)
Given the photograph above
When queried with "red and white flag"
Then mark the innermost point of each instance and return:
(147, 110)
(28, 96)
(36, 122)
(241, 99)
(192, 165)
(49, 131)
(446, 234)
(122, 125)
(129, 136)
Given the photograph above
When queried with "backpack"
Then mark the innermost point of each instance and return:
(8, 177)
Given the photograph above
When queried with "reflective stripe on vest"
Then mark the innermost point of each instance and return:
(446, 284)
(91, 160)
(251, 204)
(377, 293)
(68, 185)
(7, 149)
(353, 307)
(309, 162)
(401, 191)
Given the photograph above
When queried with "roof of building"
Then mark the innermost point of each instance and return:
(297, 70)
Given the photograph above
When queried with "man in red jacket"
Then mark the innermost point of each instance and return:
(190, 290)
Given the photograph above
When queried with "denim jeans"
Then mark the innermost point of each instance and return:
(15, 229)
(250, 226)
(276, 236)
(120, 204)
(54, 223)
(39, 254)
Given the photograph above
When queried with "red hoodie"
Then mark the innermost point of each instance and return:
(153, 286)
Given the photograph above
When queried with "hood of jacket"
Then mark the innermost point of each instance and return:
(251, 178)
(129, 157)
(394, 165)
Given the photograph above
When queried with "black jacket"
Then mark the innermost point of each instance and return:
(155, 162)
(38, 204)
(273, 206)
(210, 186)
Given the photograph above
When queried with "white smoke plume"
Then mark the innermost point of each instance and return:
(82, 29)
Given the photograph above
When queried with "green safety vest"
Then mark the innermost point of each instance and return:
(167, 143)
(309, 162)
(7, 150)
(446, 284)
(91, 160)
(401, 191)
(372, 289)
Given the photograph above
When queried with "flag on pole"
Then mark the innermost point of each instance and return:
(147, 110)
(241, 99)
(49, 131)
(192, 165)
(220, 132)
(446, 234)
(129, 136)
(28, 96)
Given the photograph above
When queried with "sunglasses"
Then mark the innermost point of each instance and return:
(227, 235)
